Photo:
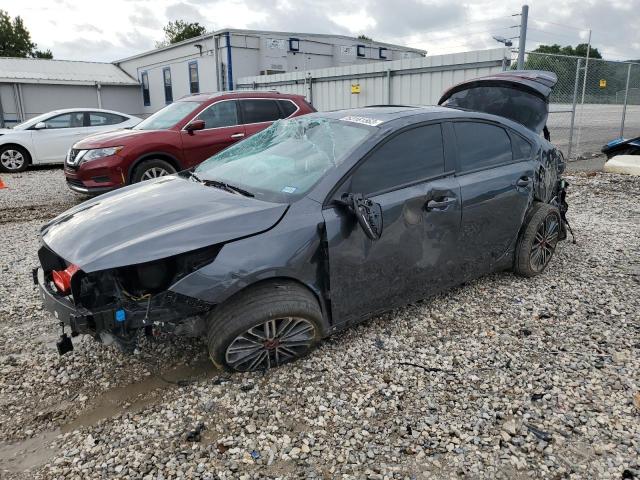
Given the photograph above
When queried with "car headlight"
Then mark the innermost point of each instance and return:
(98, 153)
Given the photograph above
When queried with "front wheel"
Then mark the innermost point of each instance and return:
(13, 159)
(538, 240)
(150, 169)
(264, 327)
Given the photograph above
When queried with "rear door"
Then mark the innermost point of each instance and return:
(97, 122)
(222, 129)
(496, 188)
(258, 113)
(415, 256)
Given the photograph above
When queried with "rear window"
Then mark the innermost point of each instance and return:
(257, 111)
(521, 148)
(288, 107)
(481, 145)
(522, 107)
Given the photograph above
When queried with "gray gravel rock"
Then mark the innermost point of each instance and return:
(509, 377)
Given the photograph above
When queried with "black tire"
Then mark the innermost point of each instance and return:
(236, 336)
(538, 240)
(12, 155)
(152, 168)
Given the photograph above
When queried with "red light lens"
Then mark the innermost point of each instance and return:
(62, 279)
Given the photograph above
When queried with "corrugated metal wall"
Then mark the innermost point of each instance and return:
(415, 81)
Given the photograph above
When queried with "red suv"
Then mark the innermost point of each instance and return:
(178, 137)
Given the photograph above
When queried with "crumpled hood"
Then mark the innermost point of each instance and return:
(153, 220)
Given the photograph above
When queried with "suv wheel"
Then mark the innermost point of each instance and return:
(150, 169)
(263, 327)
(13, 159)
(538, 240)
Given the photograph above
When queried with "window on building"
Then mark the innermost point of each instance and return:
(194, 80)
(287, 107)
(221, 114)
(360, 50)
(521, 147)
(100, 119)
(66, 120)
(481, 145)
(257, 111)
(382, 53)
(168, 92)
(146, 97)
(408, 157)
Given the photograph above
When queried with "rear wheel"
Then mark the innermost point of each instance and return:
(13, 159)
(263, 327)
(150, 169)
(538, 241)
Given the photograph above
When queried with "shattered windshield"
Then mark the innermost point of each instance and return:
(168, 116)
(284, 161)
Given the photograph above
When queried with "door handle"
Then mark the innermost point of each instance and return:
(440, 204)
(523, 182)
(237, 135)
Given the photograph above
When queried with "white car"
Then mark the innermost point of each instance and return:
(48, 137)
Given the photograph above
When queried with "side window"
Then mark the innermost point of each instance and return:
(194, 80)
(101, 119)
(66, 120)
(481, 145)
(408, 157)
(256, 111)
(287, 107)
(221, 114)
(168, 91)
(146, 97)
(521, 147)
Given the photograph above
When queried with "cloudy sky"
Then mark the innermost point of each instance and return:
(106, 30)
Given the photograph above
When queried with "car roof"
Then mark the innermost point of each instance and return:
(377, 115)
(83, 109)
(203, 97)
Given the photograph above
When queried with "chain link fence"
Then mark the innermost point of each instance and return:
(593, 102)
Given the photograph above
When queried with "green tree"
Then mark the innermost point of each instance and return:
(579, 50)
(364, 37)
(179, 30)
(15, 39)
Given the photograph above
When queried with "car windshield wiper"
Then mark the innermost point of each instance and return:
(193, 176)
(227, 187)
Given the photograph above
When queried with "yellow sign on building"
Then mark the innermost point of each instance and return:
(603, 83)
(355, 88)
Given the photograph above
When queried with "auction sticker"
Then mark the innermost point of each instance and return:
(363, 120)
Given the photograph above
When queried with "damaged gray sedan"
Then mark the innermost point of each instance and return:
(314, 224)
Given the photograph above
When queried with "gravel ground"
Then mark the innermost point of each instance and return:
(501, 378)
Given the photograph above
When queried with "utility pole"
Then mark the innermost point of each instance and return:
(524, 16)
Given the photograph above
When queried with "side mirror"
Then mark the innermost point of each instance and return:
(368, 213)
(40, 126)
(195, 125)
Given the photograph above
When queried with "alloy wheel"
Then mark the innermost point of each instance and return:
(270, 344)
(12, 159)
(154, 172)
(544, 243)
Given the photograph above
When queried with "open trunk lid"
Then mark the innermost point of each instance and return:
(519, 95)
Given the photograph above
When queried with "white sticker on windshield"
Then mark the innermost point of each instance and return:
(289, 189)
(364, 120)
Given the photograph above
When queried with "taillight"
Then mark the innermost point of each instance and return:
(62, 278)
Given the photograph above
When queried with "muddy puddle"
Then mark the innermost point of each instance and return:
(37, 451)
(136, 396)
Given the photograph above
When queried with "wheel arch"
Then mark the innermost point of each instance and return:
(160, 155)
(23, 147)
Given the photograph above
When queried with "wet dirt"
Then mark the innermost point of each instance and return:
(36, 451)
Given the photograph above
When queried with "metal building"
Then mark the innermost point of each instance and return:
(214, 61)
(29, 87)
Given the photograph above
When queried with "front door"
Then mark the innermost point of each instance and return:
(62, 131)
(496, 191)
(415, 256)
(222, 129)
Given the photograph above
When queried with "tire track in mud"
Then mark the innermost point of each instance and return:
(28, 213)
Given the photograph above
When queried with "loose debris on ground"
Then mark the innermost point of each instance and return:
(501, 378)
